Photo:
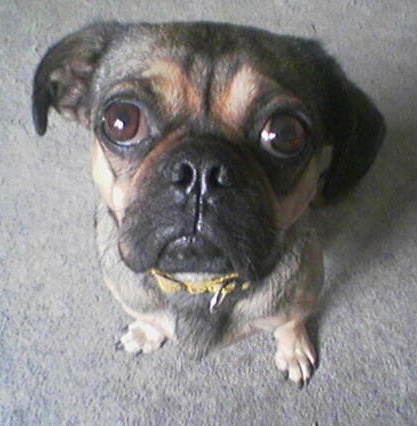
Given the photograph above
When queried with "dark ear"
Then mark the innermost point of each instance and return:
(64, 75)
(356, 129)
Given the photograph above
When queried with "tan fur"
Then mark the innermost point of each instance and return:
(231, 104)
(103, 175)
(291, 207)
(174, 88)
(295, 352)
(119, 181)
(160, 320)
(300, 293)
(113, 187)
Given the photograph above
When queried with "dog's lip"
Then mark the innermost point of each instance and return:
(195, 251)
(190, 244)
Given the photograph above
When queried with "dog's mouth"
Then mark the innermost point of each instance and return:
(198, 253)
(193, 253)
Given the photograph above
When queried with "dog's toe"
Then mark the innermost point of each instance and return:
(295, 356)
(141, 337)
(295, 367)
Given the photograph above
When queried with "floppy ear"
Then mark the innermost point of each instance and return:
(356, 130)
(64, 75)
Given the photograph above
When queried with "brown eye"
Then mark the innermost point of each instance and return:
(125, 123)
(283, 136)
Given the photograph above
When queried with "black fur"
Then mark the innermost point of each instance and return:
(346, 118)
(64, 76)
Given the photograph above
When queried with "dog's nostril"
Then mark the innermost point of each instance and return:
(219, 176)
(183, 174)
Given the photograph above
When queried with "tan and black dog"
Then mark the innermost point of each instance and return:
(206, 144)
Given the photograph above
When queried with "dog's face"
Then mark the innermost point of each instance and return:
(204, 159)
(205, 137)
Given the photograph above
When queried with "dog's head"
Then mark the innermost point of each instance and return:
(206, 136)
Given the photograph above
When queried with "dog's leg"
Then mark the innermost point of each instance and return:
(147, 334)
(295, 354)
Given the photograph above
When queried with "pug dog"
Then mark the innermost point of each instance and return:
(207, 140)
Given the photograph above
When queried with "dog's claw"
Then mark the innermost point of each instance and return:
(303, 383)
(118, 346)
(124, 329)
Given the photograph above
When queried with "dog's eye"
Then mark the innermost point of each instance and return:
(283, 136)
(125, 123)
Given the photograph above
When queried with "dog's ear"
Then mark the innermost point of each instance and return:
(64, 75)
(355, 129)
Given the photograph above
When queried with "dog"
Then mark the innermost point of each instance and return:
(207, 144)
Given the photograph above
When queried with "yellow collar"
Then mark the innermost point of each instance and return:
(224, 284)
(220, 286)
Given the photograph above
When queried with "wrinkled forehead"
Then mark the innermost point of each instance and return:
(195, 47)
(186, 73)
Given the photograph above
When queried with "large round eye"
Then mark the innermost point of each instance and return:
(283, 136)
(125, 123)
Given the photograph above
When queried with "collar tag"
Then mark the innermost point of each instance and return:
(217, 299)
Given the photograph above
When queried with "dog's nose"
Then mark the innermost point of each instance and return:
(202, 178)
(202, 170)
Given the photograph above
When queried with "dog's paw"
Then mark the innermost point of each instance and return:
(296, 356)
(141, 337)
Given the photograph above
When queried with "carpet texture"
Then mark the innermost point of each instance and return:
(58, 323)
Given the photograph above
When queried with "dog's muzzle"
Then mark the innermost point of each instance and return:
(204, 213)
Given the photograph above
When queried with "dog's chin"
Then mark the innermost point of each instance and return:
(194, 254)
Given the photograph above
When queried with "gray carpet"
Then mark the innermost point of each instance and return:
(58, 323)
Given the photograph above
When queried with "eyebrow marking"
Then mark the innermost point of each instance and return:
(173, 87)
(232, 103)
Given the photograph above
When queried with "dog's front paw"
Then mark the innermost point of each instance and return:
(295, 356)
(141, 337)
